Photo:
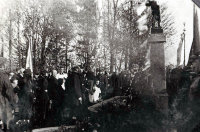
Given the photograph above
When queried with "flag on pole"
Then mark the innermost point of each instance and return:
(29, 63)
(147, 57)
(179, 50)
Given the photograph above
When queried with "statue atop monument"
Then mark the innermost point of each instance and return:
(155, 8)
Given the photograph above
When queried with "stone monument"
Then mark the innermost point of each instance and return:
(157, 59)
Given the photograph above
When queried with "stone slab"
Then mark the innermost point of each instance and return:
(51, 129)
(157, 38)
(156, 30)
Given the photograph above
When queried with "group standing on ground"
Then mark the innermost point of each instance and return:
(42, 99)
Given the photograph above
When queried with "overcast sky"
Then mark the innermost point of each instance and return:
(183, 13)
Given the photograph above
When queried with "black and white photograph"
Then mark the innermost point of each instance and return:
(99, 65)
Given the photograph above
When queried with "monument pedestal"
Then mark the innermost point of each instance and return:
(157, 69)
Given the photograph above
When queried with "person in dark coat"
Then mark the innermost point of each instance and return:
(103, 79)
(173, 83)
(77, 87)
(26, 99)
(60, 100)
(14, 83)
(42, 99)
(7, 99)
(194, 103)
(53, 85)
(125, 81)
(75, 92)
(54, 97)
(68, 85)
(82, 77)
(91, 78)
(20, 78)
(116, 84)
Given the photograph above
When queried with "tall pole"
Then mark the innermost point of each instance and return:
(130, 32)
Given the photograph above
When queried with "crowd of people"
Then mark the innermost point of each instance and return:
(42, 99)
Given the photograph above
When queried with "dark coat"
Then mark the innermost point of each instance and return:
(90, 75)
(26, 99)
(116, 84)
(60, 90)
(195, 89)
(6, 98)
(6, 89)
(20, 81)
(103, 81)
(42, 88)
(174, 78)
(74, 88)
(77, 85)
(53, 89)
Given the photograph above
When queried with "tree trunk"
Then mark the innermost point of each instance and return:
(131, 57)
(10, 40)
(112, 33)
(56, 61)
(111, 61)
(34, 54)
(120, 62)
(66, 56)
(43, 59)
(126, 58)
(18, 39)
(105, 59)
(131, 37)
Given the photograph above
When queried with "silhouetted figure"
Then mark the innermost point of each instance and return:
(6, 99)
(116, 84)
(26, 99)
(54, 98)
(76, 92)
(42, 99)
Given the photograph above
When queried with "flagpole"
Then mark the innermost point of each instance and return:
(179, 50)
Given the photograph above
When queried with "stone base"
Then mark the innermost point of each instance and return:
(156, 30)
(157, 39)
